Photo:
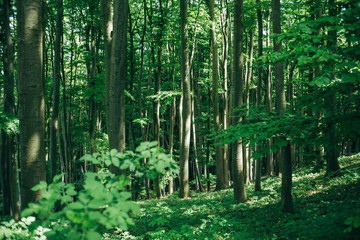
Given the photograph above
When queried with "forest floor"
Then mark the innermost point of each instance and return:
(323, 205)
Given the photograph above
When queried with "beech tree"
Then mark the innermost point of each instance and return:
(118, 77)
(184, 190)
(31, 98)
(238, 163)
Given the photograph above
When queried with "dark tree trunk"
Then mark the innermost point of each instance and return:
(8, 151)
(54, 129)
(285, 152)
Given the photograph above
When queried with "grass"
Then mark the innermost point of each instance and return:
(322, 205)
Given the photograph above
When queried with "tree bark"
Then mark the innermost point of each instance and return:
(186, 111)
(54, 129)
(219, 157)
(285, 152)
(238, 164)
(259, 90)
(107, 27)
(31, 98)
(332, 153)
(118, 77)
(8, 151)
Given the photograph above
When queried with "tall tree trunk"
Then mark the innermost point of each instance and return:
(259, 90)
(31, 98)
(8, 151)
(107, 27)
(270, 168)
(56, 91)
(285, 152)
(225, 34)
(248, 77)
(238, 164)
(219, 157)
(332, 153)
(186, 112)
(118, 77)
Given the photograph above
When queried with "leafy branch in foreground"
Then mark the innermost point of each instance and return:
(101, 204)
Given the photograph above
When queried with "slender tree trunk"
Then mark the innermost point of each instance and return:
(225, 34)
(270, 167)
(259, 91)
(56, 91)
(106, 19)
(219, 157)
(8, 151)
(186, 113)
(238, 164)
(31, 98)
(285, 152)
(332, 153)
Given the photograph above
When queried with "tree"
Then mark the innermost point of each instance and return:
(31, 98)
(332, 163)
(285, 152)
(8, 151)
(238, 164)
(106, 20)
(117, 84)
(219, 157)
(259, 90)
(184, 190)
(56, 92)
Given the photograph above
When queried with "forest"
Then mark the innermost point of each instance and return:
(180, 119)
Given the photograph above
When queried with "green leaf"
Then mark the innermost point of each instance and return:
(42, 185)
(58, 177)
(116, 161)
(93, 235)
(113, 152)
(75, 206)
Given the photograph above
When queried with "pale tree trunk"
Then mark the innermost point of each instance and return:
(285, 152)
(248, 77)
(31, 98)
(238, 164)
(107, 27)
(186, 112)
(8, 151)
(270, 168)
(219, 157)
(54, 129)
(117, 82)
(225, 35)
(332, 153)
(259, 91)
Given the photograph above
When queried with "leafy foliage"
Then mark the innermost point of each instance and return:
(9, 123)
(102, 202)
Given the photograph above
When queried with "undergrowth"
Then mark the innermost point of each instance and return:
(326, 207)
